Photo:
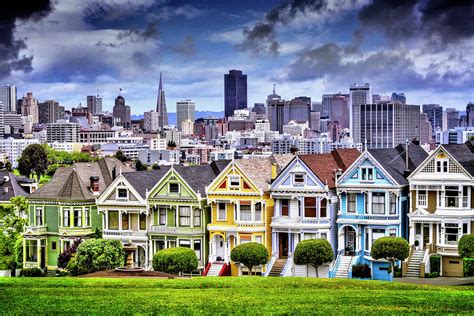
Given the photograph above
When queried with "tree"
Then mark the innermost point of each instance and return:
(8, 166)
(65, 256)
(120, 156)
(315, 252)
(33, 160)
(155, 166)
(12, 217)
(139, 166)
(250, 255)
(175, 260)
(466, 246)
(391, 249)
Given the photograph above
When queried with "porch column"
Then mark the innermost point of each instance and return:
(38, 251)
(273, 243)
(411, 232)
(369, 241)
(226, 247)
(120, 220)
(24, 251)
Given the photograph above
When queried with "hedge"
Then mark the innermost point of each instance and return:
(31, 272)
(250, 254)
(468, 267)
(175, 260)
(435, 263)
(361, 271)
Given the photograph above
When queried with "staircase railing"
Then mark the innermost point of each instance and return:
(206, 270)
(269, 265)
(335, 265)
(406, 262)
(288, 266)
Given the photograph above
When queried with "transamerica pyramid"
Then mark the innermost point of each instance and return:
(161, 106)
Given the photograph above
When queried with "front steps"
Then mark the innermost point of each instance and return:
(343, 268)
(215, 269)
(277, 267)
(414, 263)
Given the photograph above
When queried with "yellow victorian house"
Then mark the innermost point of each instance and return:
(241, 210)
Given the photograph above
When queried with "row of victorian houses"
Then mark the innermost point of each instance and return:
(347, 197)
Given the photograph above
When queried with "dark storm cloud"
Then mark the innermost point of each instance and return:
(187, 47)
(11, 12)
(149, 33)
(445, 21)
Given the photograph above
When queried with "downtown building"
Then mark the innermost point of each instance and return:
(357, 95)
(50, 111)
(8, 97)
(435, 116)
(161, 106)
(235, 92)
(94, 104)
(185, 110)
(62, 132)
(122, 112)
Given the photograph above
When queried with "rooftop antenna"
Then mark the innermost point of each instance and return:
(274, 89)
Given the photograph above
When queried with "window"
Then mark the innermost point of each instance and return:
(465, 195)
(366, 247)
(197, 218)
(323, 208)
(351, 202)
(285, 205)
(87, 217)
(53, 246)
(441, 166)
(125, 221)
(452, 196)
(197, 248)
(77, 217)
(171, 243)
(245, 239)
(245, 213)
(184, 216)
(258, 212)
(393, 232)
(451, 234)
(234, 182)
(221, 211)
(31, 250)
(324, 236)
(464, 228)
(377, 233)
(378, 203)
(66, 220)
(159, 245)
(309, 207)
(258, 239)
(309, 236)
(299, 179)
(185, 243)
(367, 174)
(39, 216)
(422, 200)
(66, 244)
(142, 221)
(122, 193)
(393, 204)
(174, 187)
(162, 213)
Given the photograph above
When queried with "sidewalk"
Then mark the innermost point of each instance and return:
(437, 281)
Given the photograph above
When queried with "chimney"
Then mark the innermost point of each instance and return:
(407, 153)
(114, 173)
(95, 184)
(274, 171)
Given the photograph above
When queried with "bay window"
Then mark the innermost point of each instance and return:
(451, 233)
(197, 218)
(451, 196)
(245, 212)
(31, 250)
(323, 208)
(285, 205)
(142, 218)
(378, 203)
(184, 216)
(125, 221)
(258, 212)
(393, 204)
(351, 202)
(77, 217)
(66, 221)
(197, 248)
(309, 207)
(113, 220)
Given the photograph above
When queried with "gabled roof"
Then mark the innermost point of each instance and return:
(325, 165)
(9, 186)
(198, 177)
(464, 155)
(145, 180)
(393, 160)
(66, 185)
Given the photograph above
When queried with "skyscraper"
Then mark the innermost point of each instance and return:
(470, 114)
(185, 110)
(29, 106)
(235, 92)
(385, 125)
(161, 105)
(8, 97)
(2, 125)
(50, 111)
(399, 97)
(336, 108)
(357, 95)
(94, 104)
(122, 112)
(150, 121)
(281, 112)
(452, 118)
(435, 116)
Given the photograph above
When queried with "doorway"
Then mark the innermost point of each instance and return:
(283, 245)
(350, 240)
(220, 249)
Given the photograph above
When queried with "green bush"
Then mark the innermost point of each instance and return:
(250, 254)
(435, 263)
(466, 246)
(314, 252)
(391, 249)
(175, 260)
(361, 271)
(468, 267)
(431, 275)
(31, 272)
(96, 255)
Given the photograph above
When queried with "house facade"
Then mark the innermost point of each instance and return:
(373, 197)
(305, 208)
(241, 210)
(441, 208)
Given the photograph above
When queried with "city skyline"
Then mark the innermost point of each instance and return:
(313, 48)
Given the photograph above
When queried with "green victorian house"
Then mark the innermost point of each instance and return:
(179, 210)
(64, 209)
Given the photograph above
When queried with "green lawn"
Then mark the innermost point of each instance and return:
(244, 295)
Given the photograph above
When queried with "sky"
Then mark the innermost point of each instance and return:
(68, 49)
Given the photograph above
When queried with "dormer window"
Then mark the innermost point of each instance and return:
(234, 182)
(174, 187)
(122, 193)
(367, 174)
(441, 165)
(299, 179)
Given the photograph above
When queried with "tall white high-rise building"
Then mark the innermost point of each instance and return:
(151, 121)
(358, 94)
(94, 104)
(8, 97)
(185, 110)
(2, 125)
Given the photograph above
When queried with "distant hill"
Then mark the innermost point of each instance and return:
(199, 114)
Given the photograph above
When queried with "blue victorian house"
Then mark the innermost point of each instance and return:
(373, 194)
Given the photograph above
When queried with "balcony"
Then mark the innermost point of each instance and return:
(125, 234)
(176, 230)
(447, 249)
(36, 229)
(368, 217)
(295, 222)
(75, 231)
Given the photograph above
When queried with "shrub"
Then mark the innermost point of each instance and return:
(435, 263)
(391, 249)
(18, 252)
(31, 272)
(431, 275)
(314, 252)
(175, 260)
(96, 255)
(65, 256)
(466, 246)
(361, 271)
(397, 272)
(468, 267)
(250, 255)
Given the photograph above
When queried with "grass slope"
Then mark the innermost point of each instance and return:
(244, 295)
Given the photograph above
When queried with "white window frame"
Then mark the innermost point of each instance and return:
(218, 211)
(421, 199)
(118, 198)
(66, 210)
(234, 178)
(372, 171)
(348, 203)
(189, 216)
(159, 215)
(299, 183)
(258, 239)
(87, 216)
(169, 188)
(41, 211)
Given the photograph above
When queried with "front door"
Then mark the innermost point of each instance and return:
(220, 250)
(283, 238)
(43, 256)
(426, 235)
